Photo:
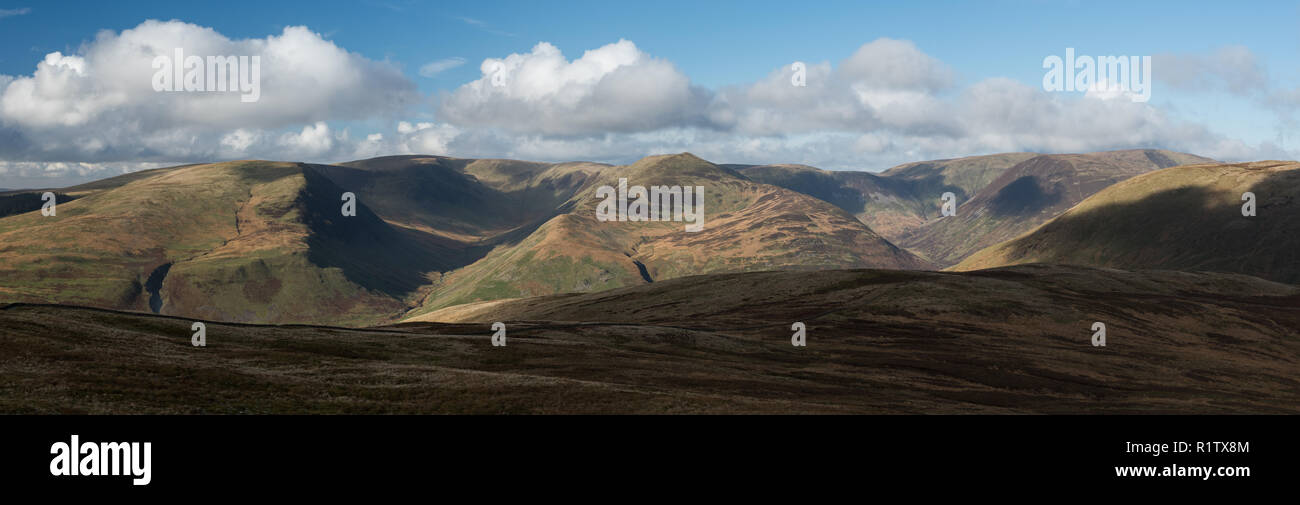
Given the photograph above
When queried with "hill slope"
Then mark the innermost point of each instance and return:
(1014, 340)
(242, 241)
(1027, 195)
(897, 200)
(1183, 218)
(1000, 196)
(265, 241)
(748, 226)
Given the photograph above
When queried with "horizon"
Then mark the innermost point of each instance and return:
(13, 188)
(877, 85)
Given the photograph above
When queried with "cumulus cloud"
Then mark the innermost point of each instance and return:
(614, 88)
(885, 84)
(100, 103)
(891, 101)
(887, 103)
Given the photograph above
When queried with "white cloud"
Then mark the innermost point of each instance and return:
(314, 140)
(436, 67)
(614, 88)
(240, 140)
(887, 103)
(99, 104)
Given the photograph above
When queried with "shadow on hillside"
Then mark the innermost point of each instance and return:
(849, 190)
(22, 203)
(1187, 228)
(442, 196)
(1021, 196)
(370, 252)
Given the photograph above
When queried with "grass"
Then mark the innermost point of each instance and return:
(878, 342)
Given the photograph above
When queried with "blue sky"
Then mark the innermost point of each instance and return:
(718, 46)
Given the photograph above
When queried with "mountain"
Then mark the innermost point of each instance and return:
(266, 242)
(248, 241)
(1027, 195)
(1014, 340)
(894, 201)
(1181, 218)
(472, 201)
(747, 226)
(998, 196)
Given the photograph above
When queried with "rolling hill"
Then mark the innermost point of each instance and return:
(999, 196)
(748, 226)
(265, 242)
(472, 201)
(1182, 218)
(897, 200)
(1014, 340)
(244, 241)
(1027, 195)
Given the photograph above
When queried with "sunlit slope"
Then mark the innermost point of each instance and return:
(747, 227)
(245, 241)
(1183, 218)
(1027, 195)
(999, 196)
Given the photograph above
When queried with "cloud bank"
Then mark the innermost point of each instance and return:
(889, 102)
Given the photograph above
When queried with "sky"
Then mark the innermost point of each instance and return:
(883, 82)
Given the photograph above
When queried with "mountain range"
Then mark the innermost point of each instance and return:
(997, 197)
(1188, 265)
(266, 242)
(257, 241)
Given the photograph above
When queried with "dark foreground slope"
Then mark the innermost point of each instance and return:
(1015, 340)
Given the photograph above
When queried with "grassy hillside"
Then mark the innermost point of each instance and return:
(1183, 218)
(748, 227)
(895, 201)
(1027, 195)
(1000, 196)
(241, 241)
(1014, 340)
